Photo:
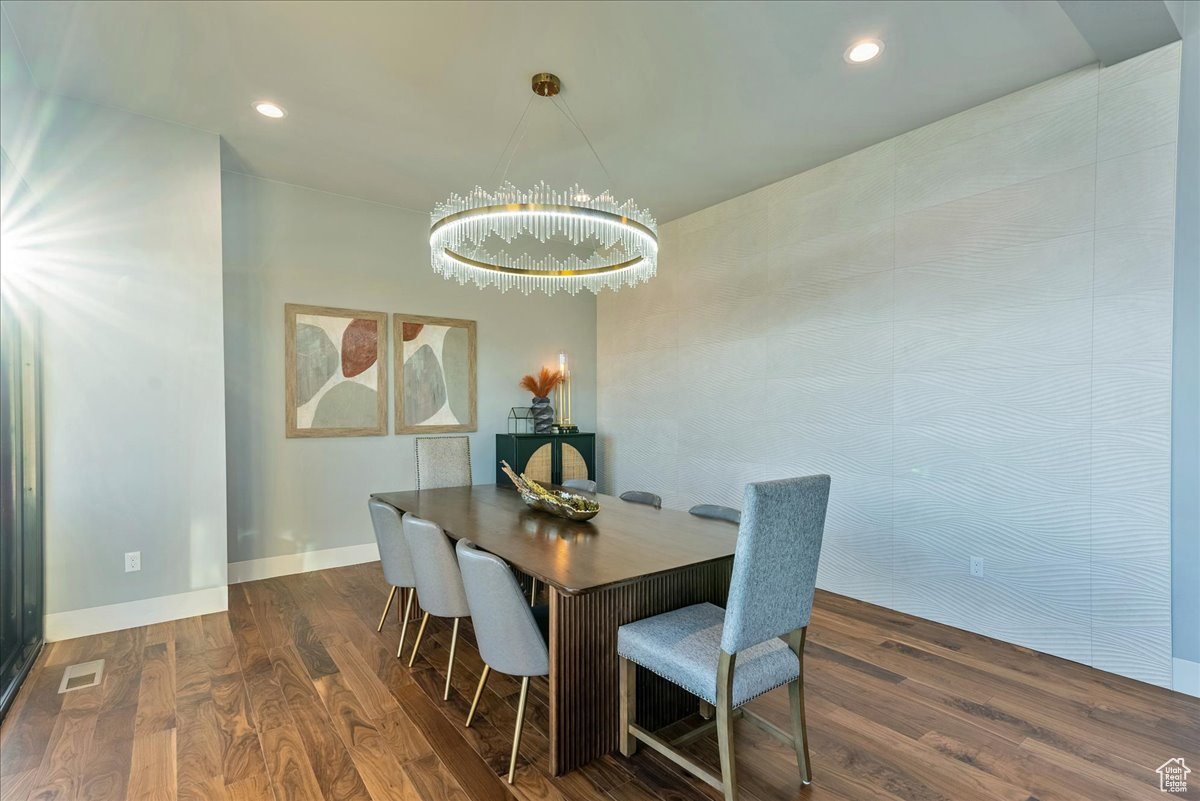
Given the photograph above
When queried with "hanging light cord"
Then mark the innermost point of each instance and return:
(570, 115)
(565, 109)
(511, 136)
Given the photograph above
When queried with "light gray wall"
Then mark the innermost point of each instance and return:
(969, 328)
(286, 244)
(1185, 478)
(128, 282)
(17, 96)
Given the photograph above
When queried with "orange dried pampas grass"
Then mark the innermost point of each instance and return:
(543, 383)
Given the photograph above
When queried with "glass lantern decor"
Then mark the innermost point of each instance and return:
(520, 420)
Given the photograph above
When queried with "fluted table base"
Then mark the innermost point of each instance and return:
(584, 668)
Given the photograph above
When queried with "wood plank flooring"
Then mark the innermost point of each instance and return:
(293, 696)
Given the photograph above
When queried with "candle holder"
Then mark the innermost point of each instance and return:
(563, 397)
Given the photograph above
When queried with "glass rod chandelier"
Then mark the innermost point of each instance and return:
(543, 239)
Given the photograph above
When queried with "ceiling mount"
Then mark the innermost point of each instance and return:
(546, 84)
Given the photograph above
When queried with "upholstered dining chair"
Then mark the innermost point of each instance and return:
(637, 496)
(729, 656)
(396, 561)
(511, 636)
(439, 583)
(714, 512)
(443, 462)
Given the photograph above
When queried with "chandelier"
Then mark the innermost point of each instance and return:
(543, 238)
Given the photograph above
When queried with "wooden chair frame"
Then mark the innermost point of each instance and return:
(631, 733)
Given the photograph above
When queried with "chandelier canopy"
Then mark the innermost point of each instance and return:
(543, 239)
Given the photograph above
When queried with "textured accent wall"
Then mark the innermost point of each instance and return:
(969, 328)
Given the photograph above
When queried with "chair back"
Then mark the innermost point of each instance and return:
(729, 515)
(585, 484)
(443, 462)
(393, 550)
(439, 584)
(775, 563)
(637, 496)
(505, 630)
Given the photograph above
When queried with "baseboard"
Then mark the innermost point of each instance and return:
(1186, 677)
(272, 566)
(131, 614)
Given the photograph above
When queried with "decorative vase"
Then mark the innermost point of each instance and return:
(543, 416)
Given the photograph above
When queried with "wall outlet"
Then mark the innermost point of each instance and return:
(133, 561)
(977, 566)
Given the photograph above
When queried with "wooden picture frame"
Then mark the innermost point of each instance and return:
(444, 402)
(314, 401)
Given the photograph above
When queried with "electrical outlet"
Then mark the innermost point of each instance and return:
(133, 561)
(977, 566)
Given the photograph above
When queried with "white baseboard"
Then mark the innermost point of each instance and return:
(272, 566)
(1187, 677)
(131, 614)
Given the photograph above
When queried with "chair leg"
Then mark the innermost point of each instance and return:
(512, 762)
(796, 696)
(404, 623)
(420, 633)
(483, 677)
(707, 710)
(386, 607)
(450, 664)
(725, 725)
(628, 688)
(532, 591)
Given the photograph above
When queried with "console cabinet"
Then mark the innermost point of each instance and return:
(550, 458)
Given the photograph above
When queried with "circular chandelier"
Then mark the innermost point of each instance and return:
(543, 239)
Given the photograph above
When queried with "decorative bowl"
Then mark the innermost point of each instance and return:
(557, 507)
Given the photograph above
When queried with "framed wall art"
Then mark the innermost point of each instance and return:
(335, 372)
(435, 374)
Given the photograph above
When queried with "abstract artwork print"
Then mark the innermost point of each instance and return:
(435, 374)
(336, 372)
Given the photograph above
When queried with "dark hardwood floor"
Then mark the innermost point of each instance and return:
(292, 695)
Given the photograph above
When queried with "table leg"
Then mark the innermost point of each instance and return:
(585, 670)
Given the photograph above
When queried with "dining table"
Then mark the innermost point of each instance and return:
(629, 562)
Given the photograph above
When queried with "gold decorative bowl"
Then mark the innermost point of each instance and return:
(560, 508)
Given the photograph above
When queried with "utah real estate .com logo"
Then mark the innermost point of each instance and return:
(1172, 776)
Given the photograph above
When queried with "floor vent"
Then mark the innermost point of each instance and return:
(85, 674)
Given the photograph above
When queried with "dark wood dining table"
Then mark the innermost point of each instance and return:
(629, 562)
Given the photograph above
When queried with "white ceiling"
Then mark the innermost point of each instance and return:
(687, 103)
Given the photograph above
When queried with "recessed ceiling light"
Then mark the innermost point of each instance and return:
(269, 109)
(863, 50)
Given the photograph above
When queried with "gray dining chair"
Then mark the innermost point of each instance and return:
(443, 462)
(714, 512)
(510, 636)
(729, 656)
(439, 583)
(396, 561)
(637, 496)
